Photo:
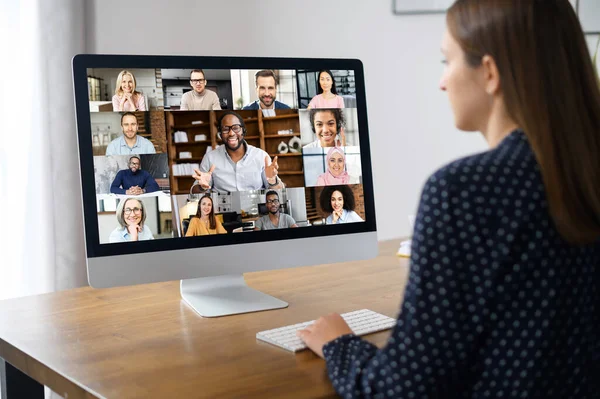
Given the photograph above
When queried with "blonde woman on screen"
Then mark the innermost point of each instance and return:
(126, 98)
(503, 295)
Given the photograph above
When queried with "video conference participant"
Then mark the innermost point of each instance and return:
(266, 91)
(503, 294)
(130, 142)
(327, 124)
(327, 96)
(236, 165)
(134, 181)
(339, 202)
(336, 169)
(131, 215)
(274, 219)
(205, 222)
(200, 98)
(126, 98)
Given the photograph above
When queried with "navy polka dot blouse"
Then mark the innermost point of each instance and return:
(497, 303)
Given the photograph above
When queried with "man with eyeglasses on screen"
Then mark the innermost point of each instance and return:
(236, 165)
(199, 99)
(274, 219)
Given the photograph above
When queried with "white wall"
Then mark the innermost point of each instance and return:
(411, 125)
(589, 15)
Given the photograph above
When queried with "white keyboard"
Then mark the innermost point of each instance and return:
(361, 322)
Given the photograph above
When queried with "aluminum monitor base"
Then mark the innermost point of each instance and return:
(225, 295)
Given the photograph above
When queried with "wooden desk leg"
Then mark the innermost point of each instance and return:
(14, 384)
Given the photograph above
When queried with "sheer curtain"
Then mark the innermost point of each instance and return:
(42, 234)
(41, 237)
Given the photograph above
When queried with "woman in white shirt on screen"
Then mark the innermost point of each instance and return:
(131, 215)
(327, 96)
(339, 202)
(126, 98)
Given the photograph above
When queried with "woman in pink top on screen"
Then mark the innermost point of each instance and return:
(327, 96)
(336, 169)
(126, 98)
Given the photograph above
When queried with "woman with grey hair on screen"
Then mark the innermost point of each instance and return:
(131, 215)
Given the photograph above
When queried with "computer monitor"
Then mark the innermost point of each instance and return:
(290, 133)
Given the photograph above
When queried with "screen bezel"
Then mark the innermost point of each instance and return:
(81, 64)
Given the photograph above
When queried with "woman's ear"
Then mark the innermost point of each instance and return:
(491, 76)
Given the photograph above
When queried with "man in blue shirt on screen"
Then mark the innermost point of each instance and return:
(266, 91)
(130, 142)
(134, 181)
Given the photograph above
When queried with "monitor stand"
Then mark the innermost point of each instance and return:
(225, 295)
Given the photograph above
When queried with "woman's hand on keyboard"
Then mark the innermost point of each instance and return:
(325, 329)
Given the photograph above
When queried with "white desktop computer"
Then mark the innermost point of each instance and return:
(201, 169)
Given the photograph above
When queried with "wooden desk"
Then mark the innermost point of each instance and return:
(144, 341)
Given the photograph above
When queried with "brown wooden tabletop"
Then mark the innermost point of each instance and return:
(144, 341)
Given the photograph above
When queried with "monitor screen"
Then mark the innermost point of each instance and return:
(205, 166)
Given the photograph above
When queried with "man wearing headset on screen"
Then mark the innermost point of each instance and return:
(328, 126)
(236, 165)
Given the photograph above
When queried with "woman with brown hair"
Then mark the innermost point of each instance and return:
(205, 222)
(503, 297)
